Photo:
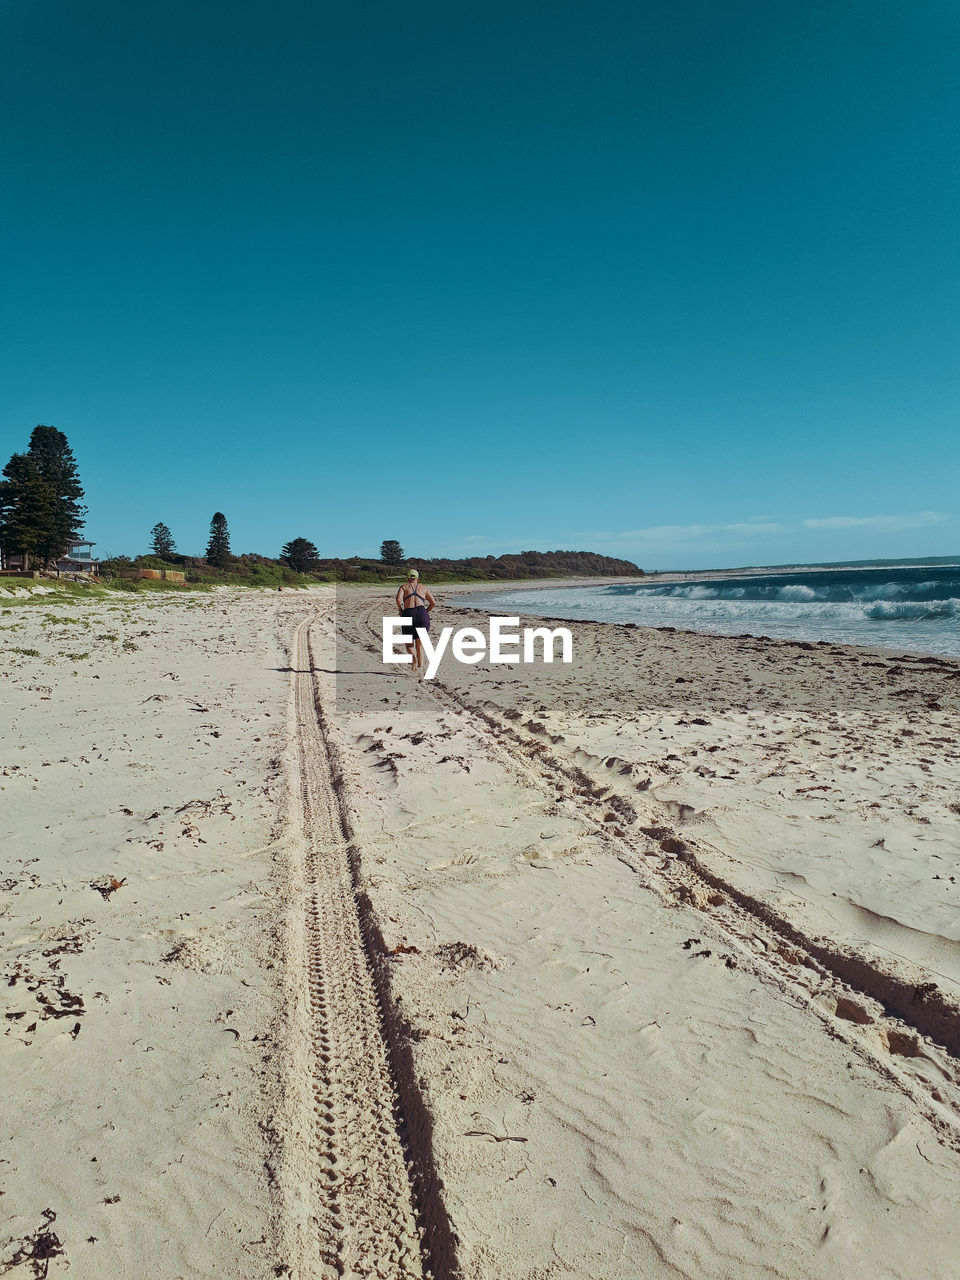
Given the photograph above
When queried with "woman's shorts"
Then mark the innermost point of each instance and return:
(415, 617)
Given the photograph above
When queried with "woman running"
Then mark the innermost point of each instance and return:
(415, 602)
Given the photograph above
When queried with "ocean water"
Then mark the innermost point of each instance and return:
(915, 609)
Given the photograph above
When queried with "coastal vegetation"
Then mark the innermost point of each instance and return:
(41, 512)
(301, 566)
(391, 551)
(40, 499)
(301, 555)
(218, 548)
(161, 541)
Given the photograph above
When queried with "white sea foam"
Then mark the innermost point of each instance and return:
(885, 614)
(913, 609)
(890, 591)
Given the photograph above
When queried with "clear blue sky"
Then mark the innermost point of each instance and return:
(679, 282)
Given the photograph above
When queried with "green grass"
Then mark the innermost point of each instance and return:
(116, 590)
(442, 579)
(26, 653)
(259, 575)
(75, 657)
(141, 586)
(60, 591)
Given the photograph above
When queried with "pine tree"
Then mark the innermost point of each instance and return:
(161, 542)
(26, 510)
(391, 552)
(218, 548)
(302, 556)
(51, 454)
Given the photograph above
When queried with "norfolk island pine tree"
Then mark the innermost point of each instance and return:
(218, 548)
(161, 542)
(40, 508)
(51, 452)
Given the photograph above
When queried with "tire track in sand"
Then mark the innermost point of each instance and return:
(375, 1194)
(916, 1021)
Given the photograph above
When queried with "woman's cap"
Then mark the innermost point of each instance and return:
(412, 573)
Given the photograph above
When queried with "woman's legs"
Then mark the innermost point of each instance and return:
(415, 642)
(420, 619)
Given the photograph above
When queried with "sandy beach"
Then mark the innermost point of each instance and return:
(648, 965)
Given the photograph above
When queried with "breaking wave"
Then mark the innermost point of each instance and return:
(913, 609)
(765, 589)
(910, 609)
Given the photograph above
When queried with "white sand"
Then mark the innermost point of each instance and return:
(683, 1114)
(134, 1114)
(656, 998)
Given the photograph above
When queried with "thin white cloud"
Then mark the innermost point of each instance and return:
(687, 532)
(890, 524)
(473, 544)
(755, 526)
